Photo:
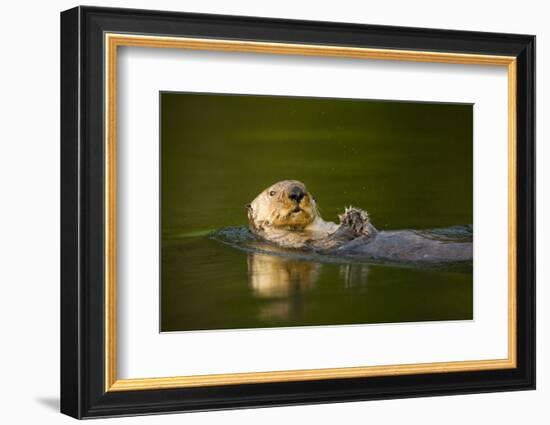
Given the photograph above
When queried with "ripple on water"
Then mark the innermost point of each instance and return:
(241, 238)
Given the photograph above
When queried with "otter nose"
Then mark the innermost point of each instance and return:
(296, 193)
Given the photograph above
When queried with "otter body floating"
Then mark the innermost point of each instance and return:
(286, 215)
(405, 246)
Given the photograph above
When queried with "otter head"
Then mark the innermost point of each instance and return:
(285, 205)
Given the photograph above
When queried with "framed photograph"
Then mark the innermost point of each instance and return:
(261, 212)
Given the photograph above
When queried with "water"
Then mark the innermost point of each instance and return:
(242, 238)
(408, 164)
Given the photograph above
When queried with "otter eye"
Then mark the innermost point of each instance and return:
(272, 193)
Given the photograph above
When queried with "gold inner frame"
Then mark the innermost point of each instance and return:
(113, 41)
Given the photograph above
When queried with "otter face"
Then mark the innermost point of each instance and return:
(284, 205)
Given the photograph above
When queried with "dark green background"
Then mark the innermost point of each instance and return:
(408, 164)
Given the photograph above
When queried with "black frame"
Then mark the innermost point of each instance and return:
(82, 218)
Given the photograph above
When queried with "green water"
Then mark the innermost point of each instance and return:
(408, 164)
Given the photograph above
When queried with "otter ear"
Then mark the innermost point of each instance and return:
(248, 207)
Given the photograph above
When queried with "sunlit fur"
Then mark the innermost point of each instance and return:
(280, 219)
(274, 209)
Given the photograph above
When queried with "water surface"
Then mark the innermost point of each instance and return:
(408, 164)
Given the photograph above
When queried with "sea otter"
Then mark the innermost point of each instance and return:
(286, 214)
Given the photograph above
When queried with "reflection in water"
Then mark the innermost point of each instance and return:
(355, 275)
(276, 277)
(282, 283)
(221, 287)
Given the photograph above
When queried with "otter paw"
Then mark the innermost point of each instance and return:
(357, 220)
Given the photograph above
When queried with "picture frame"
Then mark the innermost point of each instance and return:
(90, 40)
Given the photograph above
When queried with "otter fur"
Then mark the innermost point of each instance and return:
(286, 214)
